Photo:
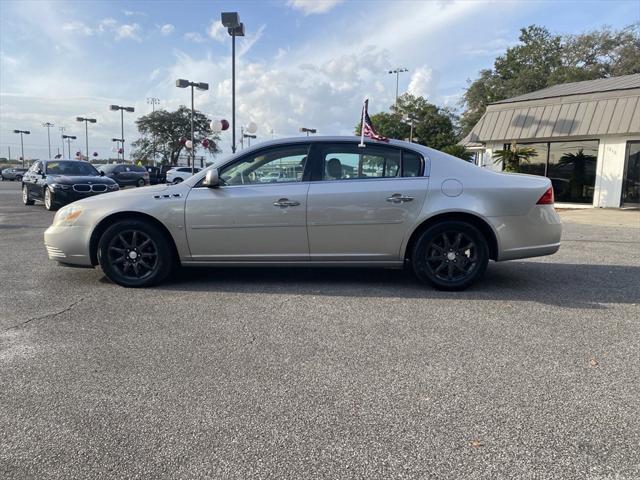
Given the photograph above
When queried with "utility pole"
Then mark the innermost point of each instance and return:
(62, 129)
(48, 125)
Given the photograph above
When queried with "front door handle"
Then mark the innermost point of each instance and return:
(285, 202)
(399, 198)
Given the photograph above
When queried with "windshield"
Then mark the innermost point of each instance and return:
(71, 168)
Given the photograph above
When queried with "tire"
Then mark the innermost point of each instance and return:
(49, 200)
(177, 180)
(135, 253)
(25, 196)
(140, 182)
(18, 178)
(450, 255)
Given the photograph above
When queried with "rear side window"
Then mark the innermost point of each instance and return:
(137, 168)
(350, 162)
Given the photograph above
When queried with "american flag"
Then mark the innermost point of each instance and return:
(367, 128)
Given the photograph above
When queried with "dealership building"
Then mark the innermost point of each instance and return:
(586, 136)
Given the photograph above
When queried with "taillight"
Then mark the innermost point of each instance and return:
(547, 197)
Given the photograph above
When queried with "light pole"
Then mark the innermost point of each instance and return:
(22, 132)
(48, 125)
(68, 138)
(122, 110)
(231, 20)
(307, 130)
(62, 129)
(397, 72)
(86, 121)
(181, 83)
(153, 101)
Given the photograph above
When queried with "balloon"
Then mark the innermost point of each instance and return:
(216, 126)
(205, 143)
(120, 150)
(225, 124)
(95, 154)
(183, 140)
(251, 128)
(188, 144)
(78, 154)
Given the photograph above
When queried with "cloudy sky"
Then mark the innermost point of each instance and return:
(302, 63)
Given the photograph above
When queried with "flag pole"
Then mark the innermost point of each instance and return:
(364, 106)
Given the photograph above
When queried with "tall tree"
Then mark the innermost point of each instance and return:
(542, 59)
(432, 125)
(162, 133)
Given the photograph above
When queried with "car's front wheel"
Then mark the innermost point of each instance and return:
(135, 253)
(450, 255)
(25, 196)
(18, 178)
(177, 180)
(49, 200)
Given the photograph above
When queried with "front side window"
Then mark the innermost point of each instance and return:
(274, 165)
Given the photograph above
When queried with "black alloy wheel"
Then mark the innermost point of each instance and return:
(135, 253)
(450, 255)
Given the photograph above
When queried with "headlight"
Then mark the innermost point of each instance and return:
(67, 215)
(59, 186)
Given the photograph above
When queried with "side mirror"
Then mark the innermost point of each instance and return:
(211, 179)
(101, 173)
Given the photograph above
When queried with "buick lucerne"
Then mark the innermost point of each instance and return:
(324, 201)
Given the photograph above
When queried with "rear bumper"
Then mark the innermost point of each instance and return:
(68, 245)
(532, 235)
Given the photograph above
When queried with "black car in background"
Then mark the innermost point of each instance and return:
(126, 175)
(13, 174)
(59, 182)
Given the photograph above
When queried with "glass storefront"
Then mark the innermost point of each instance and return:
(631, 179)
(571, 166)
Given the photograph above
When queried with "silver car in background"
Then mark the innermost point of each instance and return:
(331, 203)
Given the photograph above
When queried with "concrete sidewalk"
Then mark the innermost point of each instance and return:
(603, 216)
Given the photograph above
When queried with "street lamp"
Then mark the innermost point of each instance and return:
(410, 118)
(181, 83)
(122, 110)
(21, 132)
(153, 101)
(397, 72)
(48, 125)
(68, 138)
(307, 130)
(86, 121)
(231, 20)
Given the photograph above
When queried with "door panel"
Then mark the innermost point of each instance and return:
(241, 222)
(362, 219)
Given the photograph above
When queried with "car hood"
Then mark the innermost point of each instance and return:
(125, 194)
(73, 179)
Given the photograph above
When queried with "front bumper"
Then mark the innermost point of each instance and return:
(64, 197)
(69, 244)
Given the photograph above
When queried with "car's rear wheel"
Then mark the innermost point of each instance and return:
(25, 196)
(140, 182)
(49, 200)
(450, 255)
(135, 253)
(18, 178)
(177, 180)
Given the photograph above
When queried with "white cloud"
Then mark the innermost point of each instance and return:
(250, 40)
(77, 27)
(130, 13)
(311, 7)
(154, 74)
(130, 31)
(422, 82)
(195, 37)
(217, 31)
(107, 24)
(167, 29)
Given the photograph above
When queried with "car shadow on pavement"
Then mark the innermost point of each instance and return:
(559, 284)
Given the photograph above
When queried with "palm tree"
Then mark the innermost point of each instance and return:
(459, 151)
(579, 162)
(512, 157)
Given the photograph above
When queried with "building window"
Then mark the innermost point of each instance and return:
(631, 179)
(571, 167)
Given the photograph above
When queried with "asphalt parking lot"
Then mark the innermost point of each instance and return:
(281, 373)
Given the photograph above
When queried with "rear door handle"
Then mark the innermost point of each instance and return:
(285, 202)
(399, 198)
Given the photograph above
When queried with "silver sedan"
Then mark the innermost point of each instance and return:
(331, 202)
